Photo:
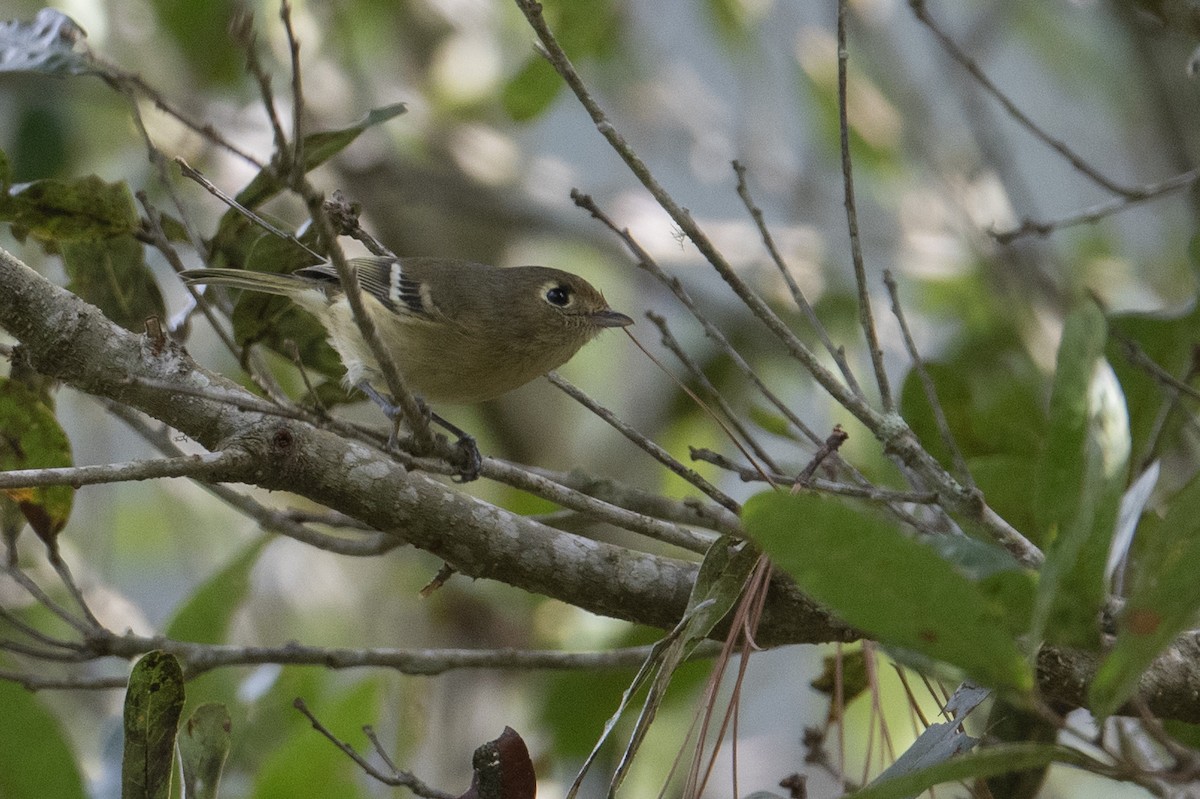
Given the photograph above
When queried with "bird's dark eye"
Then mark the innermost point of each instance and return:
(558, 295)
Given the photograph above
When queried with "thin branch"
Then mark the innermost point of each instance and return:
(966, 62)
(962, 472)
(396, 778)
(866, 318)
(297, 154)
(242, 31)
(669, 341)
(35, 634)
(85, 627)
(417, 420)
(872, 493)
(201, 467)
(197, 176)
(40, 682)
(600, 510)
(837, 353)
(120, 79)
(344, 215)
(690, 511)
(562, 64)
(283, 522)
(648, 264)
(644, 443)
(1002, 530)
(1100, 210)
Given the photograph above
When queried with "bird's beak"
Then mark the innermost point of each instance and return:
(610, 318)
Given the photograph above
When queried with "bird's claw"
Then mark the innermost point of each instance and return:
(467, 459)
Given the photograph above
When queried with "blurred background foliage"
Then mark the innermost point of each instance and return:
(480, 167)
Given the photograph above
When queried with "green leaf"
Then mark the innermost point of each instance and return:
(1163, 599)
(1081, 477)
(35, 754)
(201, 31)
(1167, 341)
(203, 747)
(111, 273)
(318, 148)
(31, 438)
(531, 91)
(45, 45)
(980, 763)
(896, 589)
(207, 615)
(584, 28)
(153, 704)
(61, 210)
(273, 321)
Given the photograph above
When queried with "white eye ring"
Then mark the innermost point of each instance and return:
(559, 295)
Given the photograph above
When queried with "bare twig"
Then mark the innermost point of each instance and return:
(922, 14)
(283, 522)
(195, 174)
(242, 31)
(690, 511)
(939, 414)
(832, 444)
(837, 353)
(201, 467)
(399, 778)
(562, 64)
(344, 216)
(866, 318)
(1099, 211)
(85, 627)
(297, 154)
(644, 443)
(598, 509)
(871, 493)
(647, 263)
(693, 368)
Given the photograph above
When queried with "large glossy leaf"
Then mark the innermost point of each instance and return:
(1164, 598)
(896, 589)
(1081, 477)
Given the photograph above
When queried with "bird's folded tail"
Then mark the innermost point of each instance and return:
(285, 284)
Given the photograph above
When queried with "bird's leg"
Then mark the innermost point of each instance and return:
(391, 410)
(470, 461)
(467, 457)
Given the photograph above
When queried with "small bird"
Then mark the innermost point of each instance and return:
(459, 332)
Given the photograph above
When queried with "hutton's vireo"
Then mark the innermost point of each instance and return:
(459, 332)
